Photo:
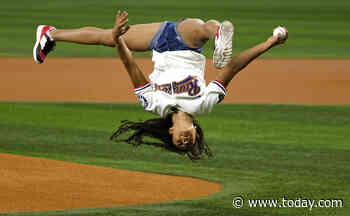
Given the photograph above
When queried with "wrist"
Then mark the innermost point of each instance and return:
(118, 40)
(269, 44)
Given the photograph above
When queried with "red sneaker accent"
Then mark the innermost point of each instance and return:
(42, 56)
(40, 50)
(44, 30)
(217, 32)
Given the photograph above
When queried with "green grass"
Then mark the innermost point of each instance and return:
(317, 28)
(261, 152)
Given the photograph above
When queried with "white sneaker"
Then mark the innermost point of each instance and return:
(223, 44)
(44, 43)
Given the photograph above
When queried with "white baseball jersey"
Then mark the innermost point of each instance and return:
(178, 82)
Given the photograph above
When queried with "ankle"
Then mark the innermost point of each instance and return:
(51, 33)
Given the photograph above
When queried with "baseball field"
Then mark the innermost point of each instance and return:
(281, 138)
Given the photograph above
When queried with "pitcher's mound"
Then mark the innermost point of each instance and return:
(34, 184)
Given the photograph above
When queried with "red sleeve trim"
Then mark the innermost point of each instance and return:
(221, 83)
(139, 88)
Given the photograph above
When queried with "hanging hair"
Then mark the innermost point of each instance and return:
(158, 129)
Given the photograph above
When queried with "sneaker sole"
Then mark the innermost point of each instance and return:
(226, 29)
(37, 43)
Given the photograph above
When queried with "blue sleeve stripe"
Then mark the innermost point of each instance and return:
(142, 87)
(220, 86)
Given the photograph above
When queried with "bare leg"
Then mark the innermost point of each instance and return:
(240, 61)
(137, 38)
(196, 32)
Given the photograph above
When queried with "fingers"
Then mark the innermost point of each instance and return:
(124, 29)
(124, 14)
(117, 17)
(280, 36)
(121, 20)
(121, 17)
(286, 30)
(120, 25)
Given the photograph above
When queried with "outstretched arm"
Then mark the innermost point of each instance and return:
(240, 61)
(120, 27)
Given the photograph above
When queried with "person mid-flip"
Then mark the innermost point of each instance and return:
(176, 89)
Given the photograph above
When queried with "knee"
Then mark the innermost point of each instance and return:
(211, 26)
(212, 22)
(198, 21)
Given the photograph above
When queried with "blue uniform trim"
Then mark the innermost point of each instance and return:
(220, 86)
(142, 88)
(167, 38)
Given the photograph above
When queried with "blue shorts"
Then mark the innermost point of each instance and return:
(168, 39)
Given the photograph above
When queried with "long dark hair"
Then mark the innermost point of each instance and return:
(158, 128)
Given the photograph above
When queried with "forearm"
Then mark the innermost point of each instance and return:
(240, 61)
(136, 75)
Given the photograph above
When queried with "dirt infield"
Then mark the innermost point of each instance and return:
(86, 79)
(29, 184)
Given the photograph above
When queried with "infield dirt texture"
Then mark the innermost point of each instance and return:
(277, 81)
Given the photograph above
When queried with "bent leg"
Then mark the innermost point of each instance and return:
(137, 38)
(196, 32)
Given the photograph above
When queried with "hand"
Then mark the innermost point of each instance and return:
(120, 26)
(277, 39)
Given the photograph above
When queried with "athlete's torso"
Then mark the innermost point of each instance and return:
(177, 80)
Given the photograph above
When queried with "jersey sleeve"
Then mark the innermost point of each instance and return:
(214, 94)
(145, 95)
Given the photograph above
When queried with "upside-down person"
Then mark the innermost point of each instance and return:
(176, 90)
